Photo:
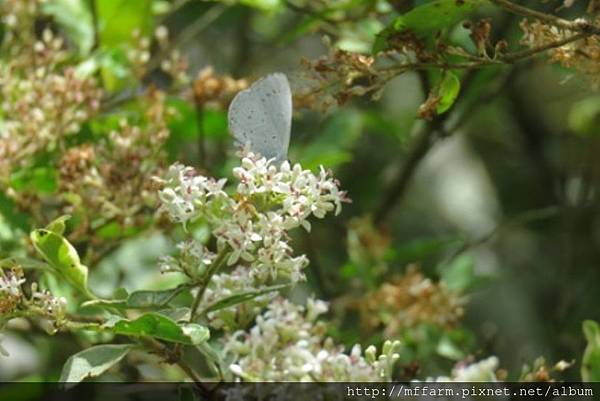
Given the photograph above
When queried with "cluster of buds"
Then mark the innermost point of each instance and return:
(288, 343)
(94, 176)
(582, 55)
(224, 285)
(407, 301)
(39, 303)
(43, 102)
(18, 17)
(334, 79)
(212, 90)
(482, 371)
(541, 371)
(140, 57)
(10, 290)
(193, 260)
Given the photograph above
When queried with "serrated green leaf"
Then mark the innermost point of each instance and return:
(448, 92)
(92, 362)
(241, 297)
(159, 326)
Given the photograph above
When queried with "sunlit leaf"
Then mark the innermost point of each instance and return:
(62, 257)
(427, 19)
(436, 15)
(118, 20)
(58, 225)
(92, 362)
(448, 92)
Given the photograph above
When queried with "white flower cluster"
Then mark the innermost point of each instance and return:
(51, 306)
(193, 260)
(10, 284)
(252, 225)
(482, 371)
(299, 192)
(288, 344)
(225, 285)
(40, 302)
(187, 196)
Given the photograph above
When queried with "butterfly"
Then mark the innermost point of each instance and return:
(260, 117)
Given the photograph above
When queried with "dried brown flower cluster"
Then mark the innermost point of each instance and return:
(111, 176)
(333, 79)
(43, 101)
(142, 61)
(367, 244)
(540, 371)
(410, 300)
(581, 55)
(18, 17)
(10, 289)
(214, 90)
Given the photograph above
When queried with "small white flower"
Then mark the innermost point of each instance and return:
(11, 284)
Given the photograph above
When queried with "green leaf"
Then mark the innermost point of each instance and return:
(264, 5)
(107, 303)
(436, 15)
(154, 299)
(92, 362)
(241, 297)
(42, 180)
(142, 299)
(8, 210)
(448, 91)
(58, 225)
(75, 18)
(590, 363)
(334, 144)
(449, 349)
(427, 19)
(161, 327)
(62, 257)
(584, 117)
(459, 274)
(119, 19)
(25, 263)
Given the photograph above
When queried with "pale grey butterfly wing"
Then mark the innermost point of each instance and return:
(261, 116)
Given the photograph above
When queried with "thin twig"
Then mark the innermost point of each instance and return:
(579, 25)
(214, 267)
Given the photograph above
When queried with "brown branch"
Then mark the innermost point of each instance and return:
(432, 131)
(417, 153)
(579, 25)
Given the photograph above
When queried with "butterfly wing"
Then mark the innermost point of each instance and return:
(261, 116)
